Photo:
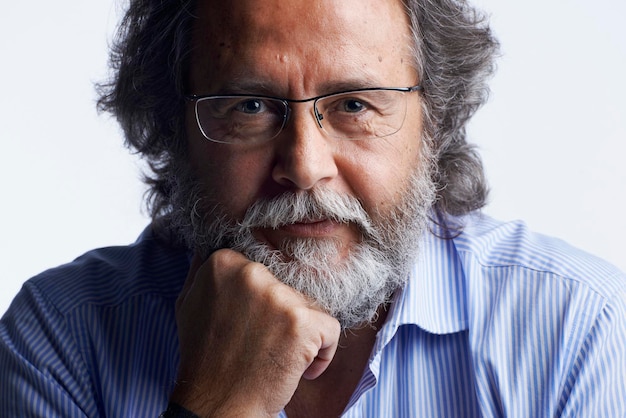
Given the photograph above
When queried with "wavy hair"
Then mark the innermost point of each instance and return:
(454, 54)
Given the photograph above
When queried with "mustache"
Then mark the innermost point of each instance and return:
(317, 204)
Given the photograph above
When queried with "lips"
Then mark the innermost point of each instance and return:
(311, 228)
(321, 228)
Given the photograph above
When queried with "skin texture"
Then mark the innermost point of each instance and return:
(247, 340)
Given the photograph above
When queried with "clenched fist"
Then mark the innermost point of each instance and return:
(246, 339)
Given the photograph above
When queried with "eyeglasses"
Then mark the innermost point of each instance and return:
(355, 114)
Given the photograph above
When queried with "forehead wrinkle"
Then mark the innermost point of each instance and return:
(234, 38)
(247, 85)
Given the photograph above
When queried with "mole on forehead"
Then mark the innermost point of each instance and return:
(232, 73)
(227, 57)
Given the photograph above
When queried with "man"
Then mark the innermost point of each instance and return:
(316, 248)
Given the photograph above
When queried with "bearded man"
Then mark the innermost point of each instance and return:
(316, 247)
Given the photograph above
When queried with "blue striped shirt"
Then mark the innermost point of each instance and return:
(495, 322)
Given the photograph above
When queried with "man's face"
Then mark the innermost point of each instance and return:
(297, 50)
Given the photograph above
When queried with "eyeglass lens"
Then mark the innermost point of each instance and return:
(352, 115)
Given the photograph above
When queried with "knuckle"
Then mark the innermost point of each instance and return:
(310, 354)
(252, 270)
(301, 324)
(220, 260)
(255, 277)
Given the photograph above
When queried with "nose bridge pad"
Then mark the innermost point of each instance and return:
(318, 116)
(286, 116)
(302, 161)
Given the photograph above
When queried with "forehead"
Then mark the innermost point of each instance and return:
(300, 45)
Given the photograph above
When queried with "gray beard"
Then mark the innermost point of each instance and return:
(352, 289)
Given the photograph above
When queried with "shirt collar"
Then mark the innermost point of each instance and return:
(435, 296)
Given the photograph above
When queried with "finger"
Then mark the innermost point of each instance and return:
(330, 340)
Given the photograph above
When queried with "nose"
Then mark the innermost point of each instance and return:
(305, 157)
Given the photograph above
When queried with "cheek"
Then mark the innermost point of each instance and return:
(235, 182)
(379, 172)
(229, 176)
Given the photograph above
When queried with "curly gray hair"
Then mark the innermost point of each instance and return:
(454, 55)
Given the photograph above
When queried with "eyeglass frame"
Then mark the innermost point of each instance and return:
(318, 116)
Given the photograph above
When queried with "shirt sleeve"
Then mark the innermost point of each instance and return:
(596, 384)
(43, 373)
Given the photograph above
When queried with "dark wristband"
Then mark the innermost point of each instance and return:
(176, 411)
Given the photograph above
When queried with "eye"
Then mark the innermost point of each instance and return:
(353, 105)
(251, 106)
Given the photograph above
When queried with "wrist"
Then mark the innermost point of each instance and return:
(207, 404)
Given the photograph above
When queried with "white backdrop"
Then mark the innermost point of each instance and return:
(553, 134)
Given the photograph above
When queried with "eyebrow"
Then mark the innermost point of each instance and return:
(261, 87)
(243, 86)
